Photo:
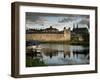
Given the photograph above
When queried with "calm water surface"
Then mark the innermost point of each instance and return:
(61, 54)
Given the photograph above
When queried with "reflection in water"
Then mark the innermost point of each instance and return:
(49, 52)
(58, 54)
(61, 54)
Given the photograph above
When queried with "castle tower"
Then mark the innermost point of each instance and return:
(67, 34)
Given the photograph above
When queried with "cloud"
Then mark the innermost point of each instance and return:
(34, 19)
(56, 24)
(84, 21)
(65, 20)
(43, 20)
(73, 18)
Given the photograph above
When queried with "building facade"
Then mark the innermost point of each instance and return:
(49, 35)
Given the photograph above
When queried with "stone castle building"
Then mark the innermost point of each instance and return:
(49, 35)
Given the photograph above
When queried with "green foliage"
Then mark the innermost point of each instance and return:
(30, 62)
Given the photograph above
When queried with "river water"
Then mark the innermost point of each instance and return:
(63, 54)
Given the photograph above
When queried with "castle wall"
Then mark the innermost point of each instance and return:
(45, 37)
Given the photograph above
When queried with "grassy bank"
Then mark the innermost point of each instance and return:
(30, 62)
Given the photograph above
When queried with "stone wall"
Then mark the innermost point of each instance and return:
(47, 37)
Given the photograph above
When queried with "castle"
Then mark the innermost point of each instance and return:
(49, 35)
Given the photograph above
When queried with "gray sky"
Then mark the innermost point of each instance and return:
(42, 21)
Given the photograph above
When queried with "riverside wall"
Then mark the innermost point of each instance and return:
(48, 37)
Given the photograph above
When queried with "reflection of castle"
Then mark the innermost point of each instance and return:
(49, 34)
